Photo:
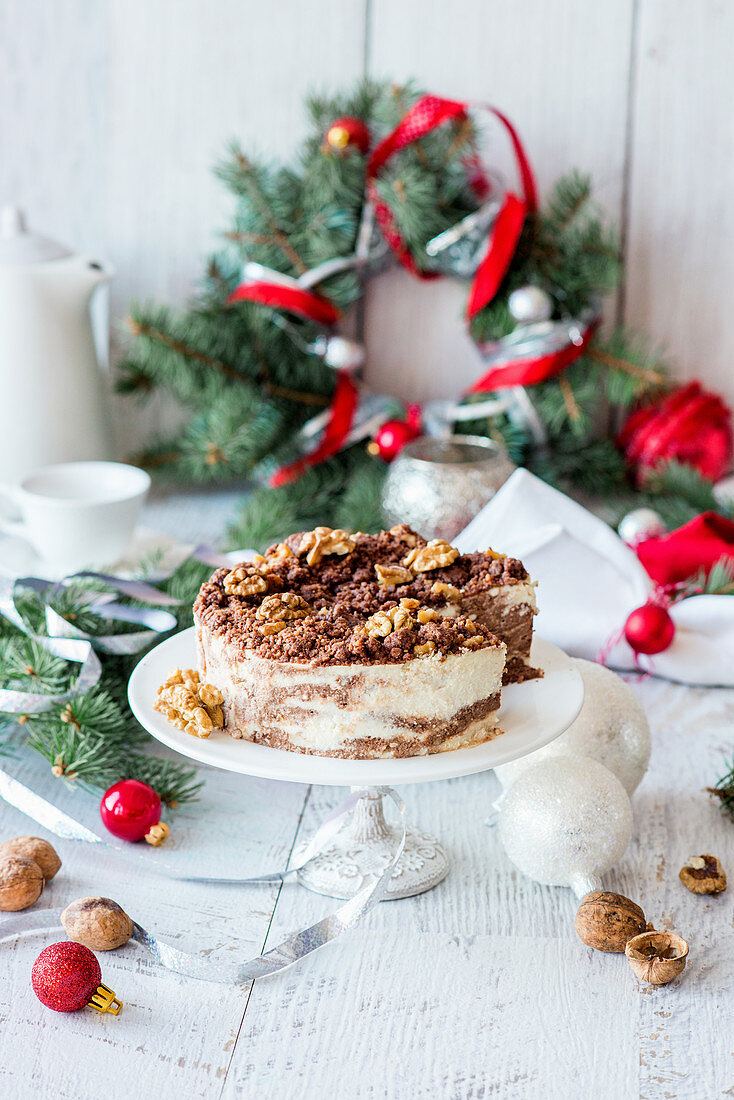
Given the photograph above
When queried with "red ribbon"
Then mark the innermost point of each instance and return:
(341, 415)
(427, 114)
(293, 299)
(528, 372)
(696, 546)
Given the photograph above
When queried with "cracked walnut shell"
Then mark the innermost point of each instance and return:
(436, 554)
(98, 923)
(244, 580)
(703, 875)
(323, 541)
(190, 705)
(21, 883)
(657, 957)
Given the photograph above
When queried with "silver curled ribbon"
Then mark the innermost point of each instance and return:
(66, 640)
(292, 949)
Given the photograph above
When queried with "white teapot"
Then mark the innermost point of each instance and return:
(52, 394)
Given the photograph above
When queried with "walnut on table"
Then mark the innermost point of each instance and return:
(35, 848)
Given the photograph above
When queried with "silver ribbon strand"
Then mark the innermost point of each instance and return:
(293, 948)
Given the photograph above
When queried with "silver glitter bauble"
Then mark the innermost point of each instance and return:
(611, 728)
(529, 303)
(640, 524)
(566, 821)
(343, 354)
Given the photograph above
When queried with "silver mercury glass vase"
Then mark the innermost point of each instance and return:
(437, 486)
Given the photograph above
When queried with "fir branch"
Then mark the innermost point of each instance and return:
(26, 666)
(724, 789)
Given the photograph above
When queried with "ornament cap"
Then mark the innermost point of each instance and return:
(105, 999)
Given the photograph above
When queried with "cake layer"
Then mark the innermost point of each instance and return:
(427, 704)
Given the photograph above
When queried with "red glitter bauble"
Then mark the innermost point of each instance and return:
(391, 437)
(65, 975)
(129, 808)
(649, 629)
(347, 133)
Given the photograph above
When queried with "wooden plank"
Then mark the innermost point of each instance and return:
(173, 1033)
(186, 78)
(681, 264)
(560, 72)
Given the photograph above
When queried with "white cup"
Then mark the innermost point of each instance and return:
(77, 514)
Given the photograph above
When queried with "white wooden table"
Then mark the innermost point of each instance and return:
(479, 988)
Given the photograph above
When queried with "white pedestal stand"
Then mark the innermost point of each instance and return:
(362, 849)
(532, 715)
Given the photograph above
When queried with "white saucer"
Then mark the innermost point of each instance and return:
(19, 559)
(532, 714)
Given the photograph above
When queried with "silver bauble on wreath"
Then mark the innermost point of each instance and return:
(529, 304)
(341, 353)
(565, 822)
(640, 524)
(611, 728)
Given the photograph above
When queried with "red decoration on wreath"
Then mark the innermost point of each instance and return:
(347, 133)
(390, 438)
(649, 629)
(67, 976)
(129, 809)
(690, 425)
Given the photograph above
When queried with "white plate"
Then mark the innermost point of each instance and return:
(532, 714)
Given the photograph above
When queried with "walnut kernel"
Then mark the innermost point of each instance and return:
(384, 623)
(21, 883)
(190, 705)
(388, 576)
(323, 541)
(703, 875)
(436, 554)
(281, 607)
(244, 580)
(98, 923)
(424, 648)
(33, 847)
(449, 591)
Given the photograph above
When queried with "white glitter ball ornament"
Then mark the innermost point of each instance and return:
(565, 822)
(640, 524)
(611, 728)
(528, 304)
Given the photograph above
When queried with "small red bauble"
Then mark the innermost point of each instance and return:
(689, 425)
(649, 629)
(391, 437)
(129, 808)
(65, 976)
(347, 133)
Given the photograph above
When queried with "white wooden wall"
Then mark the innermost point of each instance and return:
(113, 111)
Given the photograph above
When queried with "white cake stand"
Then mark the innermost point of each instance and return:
(532, 715)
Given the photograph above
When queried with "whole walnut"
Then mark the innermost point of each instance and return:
(36, 849)
(606, 921)
(98, 923)
(21, 883)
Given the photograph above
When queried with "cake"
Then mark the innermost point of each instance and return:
(364, 646)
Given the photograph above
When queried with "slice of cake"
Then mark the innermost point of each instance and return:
(363, 645)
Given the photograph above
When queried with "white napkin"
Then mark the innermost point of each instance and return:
(589, 581)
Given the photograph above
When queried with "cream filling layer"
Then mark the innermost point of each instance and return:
(323, 707)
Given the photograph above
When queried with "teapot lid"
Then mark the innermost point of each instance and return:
(18, 247)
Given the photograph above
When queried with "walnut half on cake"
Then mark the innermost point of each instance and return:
(364, 645)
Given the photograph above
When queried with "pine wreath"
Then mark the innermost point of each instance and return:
(389, 174)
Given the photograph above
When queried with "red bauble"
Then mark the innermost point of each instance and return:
(65, 976)
(649, 629)
(391, 437)
(690, 426)
(129, 808)
(347, 133)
